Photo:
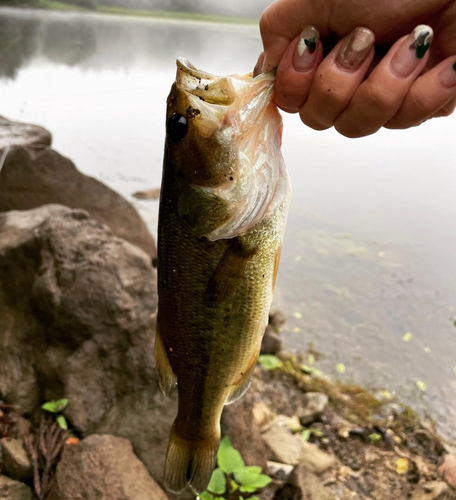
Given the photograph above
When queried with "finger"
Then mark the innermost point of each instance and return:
(297, 69)
(379, 97)
(282, 22)
(338, 77)
(259, 65)
(432, 94)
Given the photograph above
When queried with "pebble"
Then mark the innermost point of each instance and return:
(16, 462)
(448, 469)
(315, 404)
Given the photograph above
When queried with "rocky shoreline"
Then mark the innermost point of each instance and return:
(77, 304)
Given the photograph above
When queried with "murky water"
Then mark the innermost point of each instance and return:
(370, 245)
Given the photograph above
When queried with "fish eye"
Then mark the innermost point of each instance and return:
(177, 126)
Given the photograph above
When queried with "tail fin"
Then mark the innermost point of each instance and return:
(189, 462)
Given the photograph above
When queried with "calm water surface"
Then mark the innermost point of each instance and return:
(370, 247)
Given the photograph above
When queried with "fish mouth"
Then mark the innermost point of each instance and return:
(237, 100)
(239, 111)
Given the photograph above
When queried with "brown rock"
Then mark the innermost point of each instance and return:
(291, 449)
(103, 467)
(31, 178)
(16, 462)
(448, 469)
(148, 194)
(272, 342)
(75, 321)
(244, 431)
(14, 490)
(315, 404)
(22, 134)
(305, 485)
(432, 490)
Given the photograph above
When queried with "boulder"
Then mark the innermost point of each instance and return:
(14, 490)
(103, 467)
(22, 134)
(16, 462)
(34, 176)
(76, 321)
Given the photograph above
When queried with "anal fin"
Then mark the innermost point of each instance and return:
(240, 387)
(166, 376)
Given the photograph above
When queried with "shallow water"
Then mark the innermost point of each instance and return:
(370, 245)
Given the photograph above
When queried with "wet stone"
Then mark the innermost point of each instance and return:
(272, 342)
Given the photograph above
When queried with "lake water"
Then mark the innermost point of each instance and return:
(369, 253)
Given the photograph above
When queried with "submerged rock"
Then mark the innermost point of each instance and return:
(34, 175)
(103, 467)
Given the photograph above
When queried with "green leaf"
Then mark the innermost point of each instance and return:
(55, 406)
(297, 315)
(305, 434)
(254, 498)
(217, 483)
(374, 437)
(233, 486)
(246, 474)
(228, 459)
(206, 496)
(269, 362)
(421, 386)
(61, 420)
(407, 337)
(340, 367)
(251, 479)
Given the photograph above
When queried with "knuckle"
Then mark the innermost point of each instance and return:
(379, 98)
(421, 102)
(309, 120)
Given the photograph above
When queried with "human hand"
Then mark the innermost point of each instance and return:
(378, 74)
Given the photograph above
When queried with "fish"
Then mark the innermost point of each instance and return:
(224, 202)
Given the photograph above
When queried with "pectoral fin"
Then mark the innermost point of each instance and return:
(166, 376)
(240, 387)
(228, 274)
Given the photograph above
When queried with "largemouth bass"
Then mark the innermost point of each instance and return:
(223, 208)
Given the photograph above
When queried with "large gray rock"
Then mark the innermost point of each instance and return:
(76, 309)
(103, 467)
(34, 175)
(14, 490)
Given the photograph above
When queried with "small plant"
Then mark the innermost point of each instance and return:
(232, 480)
(56, 407)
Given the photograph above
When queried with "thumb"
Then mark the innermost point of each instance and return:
(283, 21)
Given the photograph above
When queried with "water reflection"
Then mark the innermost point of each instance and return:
(92, 43)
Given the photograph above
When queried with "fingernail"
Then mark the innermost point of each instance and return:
(448, 76)
(412, 50)
(355, 48)
(304, 56)
(258, 65)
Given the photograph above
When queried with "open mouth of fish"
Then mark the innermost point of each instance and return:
(239, 110)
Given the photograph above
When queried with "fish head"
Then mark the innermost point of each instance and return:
(223, 137)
